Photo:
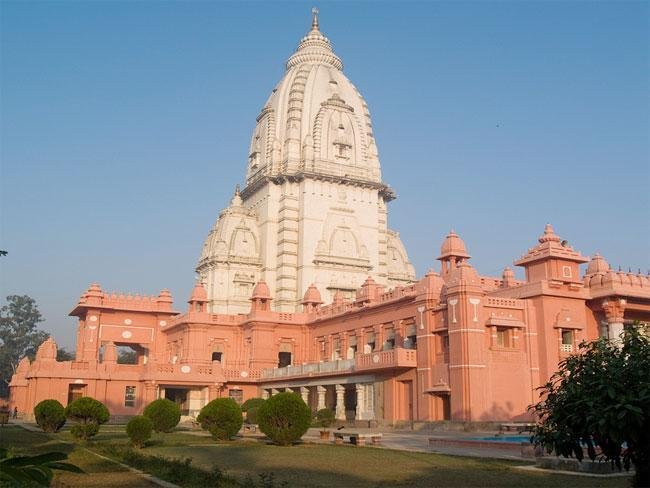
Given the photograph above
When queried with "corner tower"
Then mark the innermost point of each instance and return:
(313, 192)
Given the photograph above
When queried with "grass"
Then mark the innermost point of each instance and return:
(306, 465)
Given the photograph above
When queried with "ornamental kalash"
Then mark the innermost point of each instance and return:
(303, 287)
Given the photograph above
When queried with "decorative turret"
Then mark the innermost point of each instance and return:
(199, 299)
(261, 298)
(508, 277)
(553, 259)
(312, 299)
(338, 298)
(452, 253)
(369, 291)
(597, 265)
(315, 48)
(165, 300)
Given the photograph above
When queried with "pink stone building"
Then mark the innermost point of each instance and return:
(454, 345)
(278, 304)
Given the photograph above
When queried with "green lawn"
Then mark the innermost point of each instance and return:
(306, 465)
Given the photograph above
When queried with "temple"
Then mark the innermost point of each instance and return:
(303, 287)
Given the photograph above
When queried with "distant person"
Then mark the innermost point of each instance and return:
(15, 412)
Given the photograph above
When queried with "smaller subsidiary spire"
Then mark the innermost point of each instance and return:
(314, 21)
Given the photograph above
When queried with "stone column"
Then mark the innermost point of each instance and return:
(304, 393)
(150, 391)
(370, 401)
(213, 391)
(360, 413)
(614, 311)
(321, 397)
(340, 402)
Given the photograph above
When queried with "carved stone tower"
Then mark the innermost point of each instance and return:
(314, 206)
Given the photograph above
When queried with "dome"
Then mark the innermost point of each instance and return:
(314, 121)
(549, 235)
(453, 245)
(597, 265)
(261, 291)
(312, 295)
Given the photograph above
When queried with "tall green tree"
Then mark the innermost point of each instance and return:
(600, 398)
(19, 335)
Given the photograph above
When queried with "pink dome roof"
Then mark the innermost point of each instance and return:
(198, 293)
(453, 245)
(598, 264)
(549, 235)
(312, 295)
(261, 290)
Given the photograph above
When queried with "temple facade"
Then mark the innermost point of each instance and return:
(303, 287)
(454, 345)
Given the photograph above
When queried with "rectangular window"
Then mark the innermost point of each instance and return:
(129, 396)
(216, 356)
(284, 359)
(567, 341)
(504, 337)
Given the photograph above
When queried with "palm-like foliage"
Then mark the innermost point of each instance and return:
(33, 470)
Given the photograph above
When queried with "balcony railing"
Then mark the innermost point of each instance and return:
(394, 358)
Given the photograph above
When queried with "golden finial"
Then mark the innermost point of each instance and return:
(314, 21)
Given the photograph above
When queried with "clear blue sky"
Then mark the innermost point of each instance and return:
(125, 126)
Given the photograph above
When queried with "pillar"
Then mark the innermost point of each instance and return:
(304, 393)
(265, 394)
(614, 312)
(213, 391)
(321, 397)
(340, 402)
(359, 414)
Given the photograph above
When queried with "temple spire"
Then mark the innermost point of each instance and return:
(314, 21)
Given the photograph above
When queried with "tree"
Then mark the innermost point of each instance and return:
(18, 335)
(164, 414)
(284, 418)
(600, 398)
(50, 415)
(89, 413)
(222, 418)
(63, 354)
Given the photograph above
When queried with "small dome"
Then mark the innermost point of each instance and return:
(261, 290)
(315, 48)
(312, 295)
(198, 293)
(597, 265)
(165, 296)
(453, 245)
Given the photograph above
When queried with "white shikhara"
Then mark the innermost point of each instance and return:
(314, 206)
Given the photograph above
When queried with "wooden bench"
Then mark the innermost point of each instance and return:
(518, 426)
(356, 438)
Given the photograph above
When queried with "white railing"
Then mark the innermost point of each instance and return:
(566, 347)
(310, 368)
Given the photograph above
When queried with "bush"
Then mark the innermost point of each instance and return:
(139, 430)
(325, 417)
(164, 414)
(251, 407)
(222, 417)
(252, 403)
(89, 413)
(284, 418)
(50, 415)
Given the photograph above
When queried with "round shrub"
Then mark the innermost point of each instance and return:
(222, 417)
(325, 417)
(284, 418)
(89, 415)
(139, 430)
(50, 415)
(164, 414)
(252, 403)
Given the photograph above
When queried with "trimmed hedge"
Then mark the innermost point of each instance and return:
(89, 415)
(139, 430)
(255, 402)
(164, 414)
(50, 415)
(284, 418)
(222, 418)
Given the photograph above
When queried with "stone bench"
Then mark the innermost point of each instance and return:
(356, 438)
(518, 426)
